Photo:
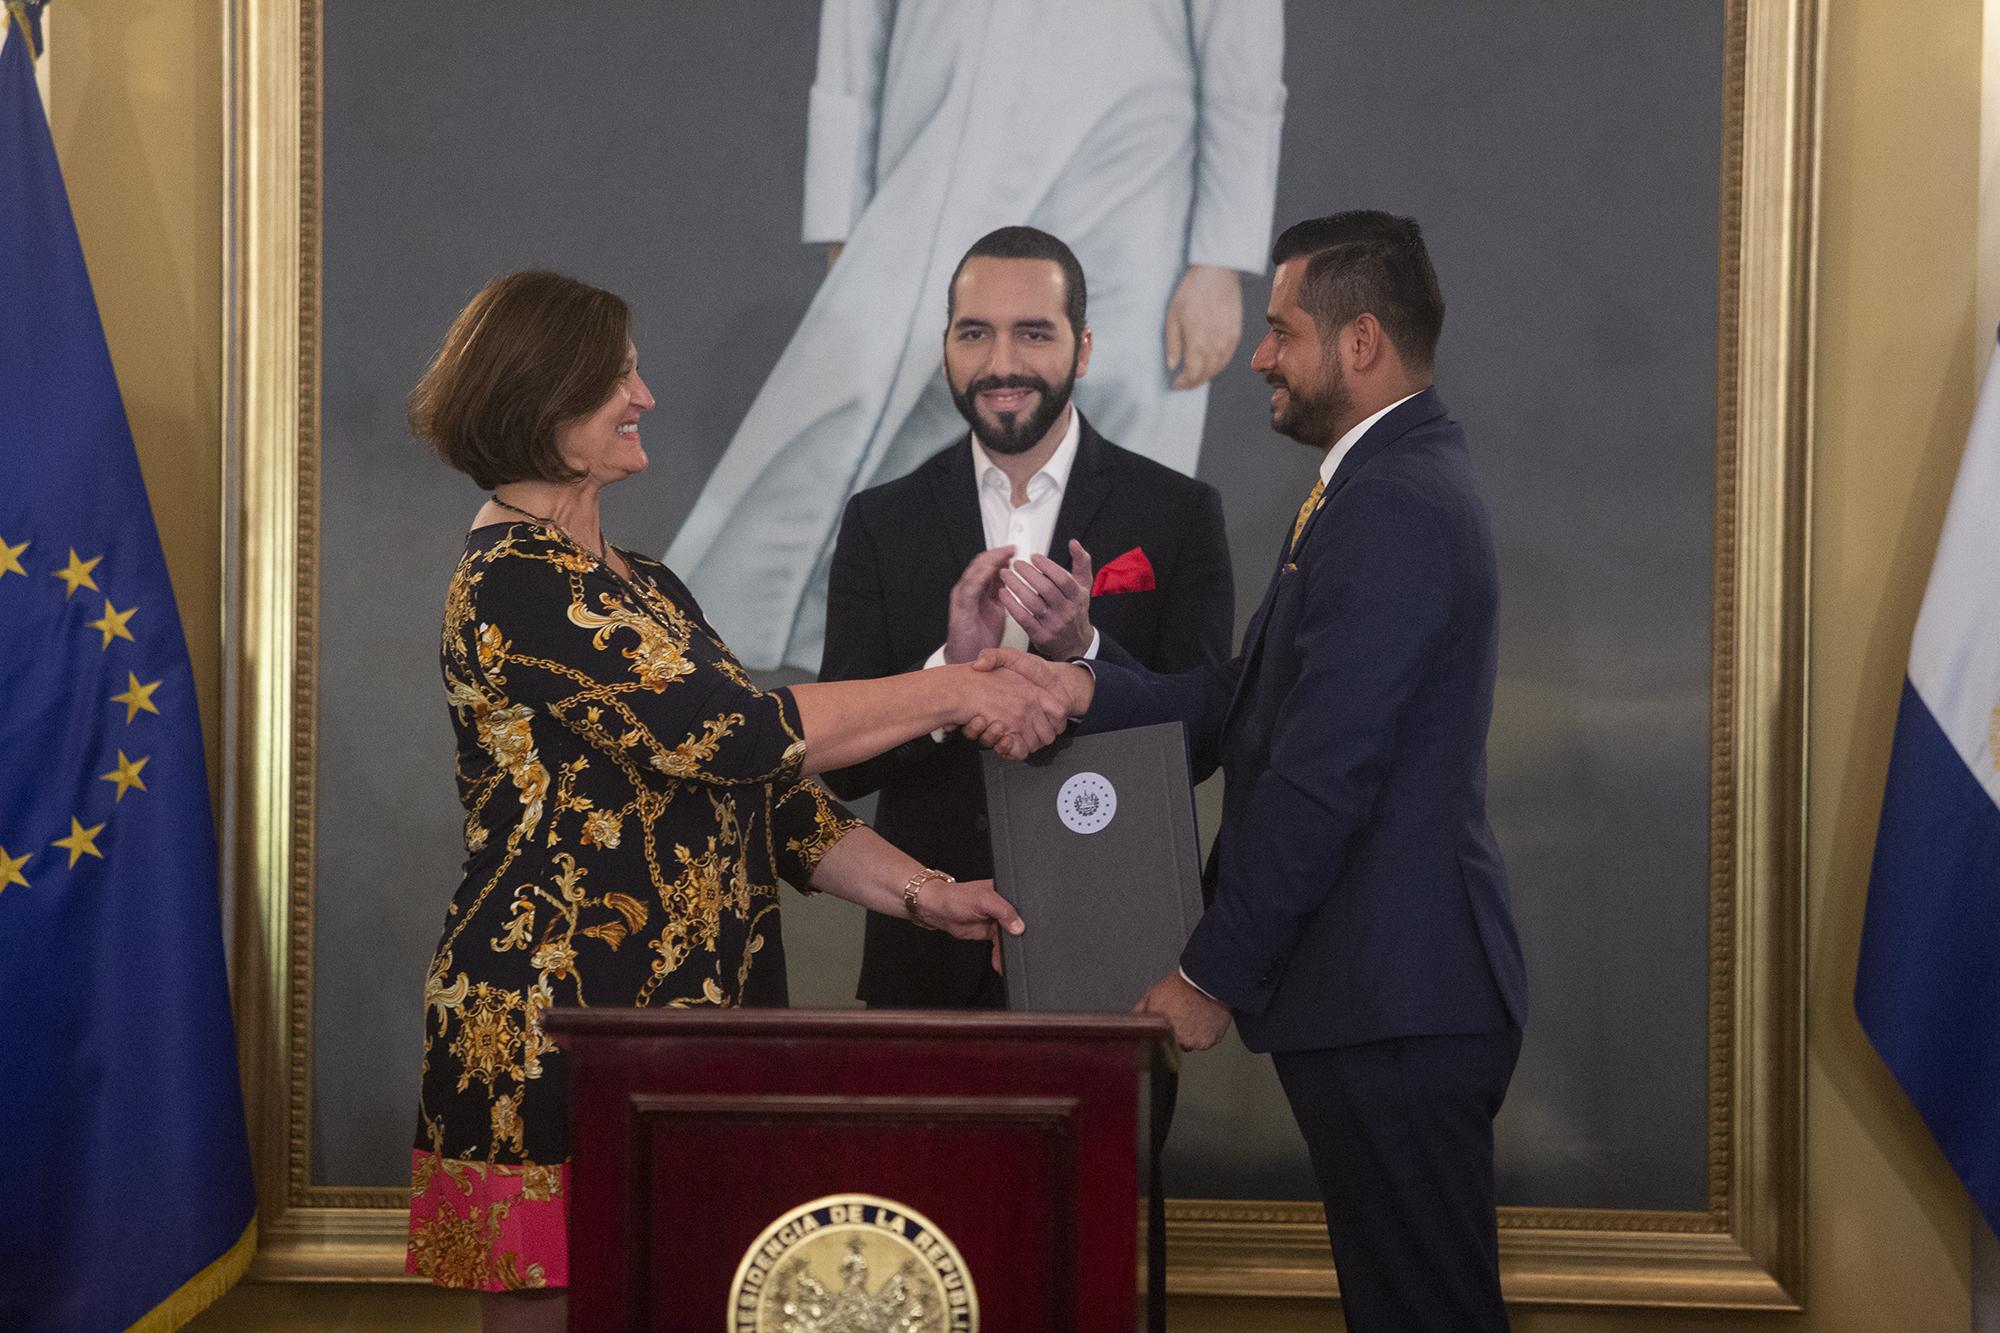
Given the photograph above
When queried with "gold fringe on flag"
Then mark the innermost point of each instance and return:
(203, 1289)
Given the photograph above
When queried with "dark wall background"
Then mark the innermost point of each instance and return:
(1564, 159)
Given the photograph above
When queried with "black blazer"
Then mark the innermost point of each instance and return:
(1357, 891)
(902, 546)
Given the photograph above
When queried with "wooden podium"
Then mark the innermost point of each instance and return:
(957, 1171)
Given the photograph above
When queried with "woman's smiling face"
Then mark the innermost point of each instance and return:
(604, 444)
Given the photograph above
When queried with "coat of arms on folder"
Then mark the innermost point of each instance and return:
(1094, 841)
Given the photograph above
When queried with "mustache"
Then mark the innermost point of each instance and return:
(988, 383)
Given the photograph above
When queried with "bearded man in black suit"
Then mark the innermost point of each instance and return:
(955, 558)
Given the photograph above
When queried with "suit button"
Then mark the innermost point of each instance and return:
(980, 822)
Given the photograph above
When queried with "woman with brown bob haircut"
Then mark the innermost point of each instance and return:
(631, 798)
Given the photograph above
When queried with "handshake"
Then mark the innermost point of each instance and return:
(1015, 703)
(1010, 701)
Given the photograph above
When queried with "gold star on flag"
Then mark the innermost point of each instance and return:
(10, 870)
(126, 775)
(112, 622)
(80, 842)
(10, 559)
(77, 575)
(136, 697)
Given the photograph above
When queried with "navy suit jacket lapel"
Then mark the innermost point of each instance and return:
(1253, 644)
(1421, 409)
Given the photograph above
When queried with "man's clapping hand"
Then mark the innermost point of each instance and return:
(1051, 603)
(975, 618)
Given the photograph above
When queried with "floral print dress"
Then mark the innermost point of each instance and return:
(631, 802)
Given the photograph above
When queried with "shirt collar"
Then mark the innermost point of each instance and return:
(1056, 469)
(1346, 443)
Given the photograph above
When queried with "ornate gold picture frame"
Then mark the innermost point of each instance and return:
(1744, 1250)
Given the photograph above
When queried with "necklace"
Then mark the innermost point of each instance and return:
(603, 553)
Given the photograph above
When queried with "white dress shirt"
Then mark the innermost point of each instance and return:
(1029, 527)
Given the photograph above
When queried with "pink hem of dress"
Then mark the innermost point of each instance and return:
(484, 1226)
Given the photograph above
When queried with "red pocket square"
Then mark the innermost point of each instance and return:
(1130, 572)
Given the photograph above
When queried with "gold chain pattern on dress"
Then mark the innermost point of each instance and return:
(631, 803)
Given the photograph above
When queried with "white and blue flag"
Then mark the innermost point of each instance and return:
(1928, 986)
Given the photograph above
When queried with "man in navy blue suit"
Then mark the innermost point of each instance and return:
(1358, 926)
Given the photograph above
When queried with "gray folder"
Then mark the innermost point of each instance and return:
(1094, 842)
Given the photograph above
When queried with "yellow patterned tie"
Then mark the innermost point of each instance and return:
(1305, 512)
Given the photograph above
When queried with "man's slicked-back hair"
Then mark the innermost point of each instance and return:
(1028, 243)
(1369, 262)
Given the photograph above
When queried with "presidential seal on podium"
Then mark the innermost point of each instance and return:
(853, 1263)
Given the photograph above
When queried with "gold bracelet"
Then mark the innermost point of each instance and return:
(917, 881)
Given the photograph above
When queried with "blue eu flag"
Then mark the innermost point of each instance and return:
(129, 1197)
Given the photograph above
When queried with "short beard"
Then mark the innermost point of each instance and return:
(1014, 433)
(1311, 420)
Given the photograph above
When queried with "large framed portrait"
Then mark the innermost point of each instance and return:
(1619, 199)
